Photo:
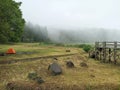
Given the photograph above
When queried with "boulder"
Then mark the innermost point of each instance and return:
(92, 54)
(69, 64)
(55, 68)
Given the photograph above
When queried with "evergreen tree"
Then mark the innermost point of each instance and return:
(11, 21)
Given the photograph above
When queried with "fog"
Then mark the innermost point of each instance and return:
(36, 33)
(73, 13)
(83, 35)
(78, 20)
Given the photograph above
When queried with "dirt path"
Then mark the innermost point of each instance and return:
(35, 58)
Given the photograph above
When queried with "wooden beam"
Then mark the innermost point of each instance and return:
(104, 51)
(115, 52)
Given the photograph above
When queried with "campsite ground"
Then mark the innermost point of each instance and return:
(97, 76)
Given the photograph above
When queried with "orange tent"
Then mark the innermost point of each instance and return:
(10, 51)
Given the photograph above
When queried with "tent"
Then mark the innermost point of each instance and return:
(11, 51)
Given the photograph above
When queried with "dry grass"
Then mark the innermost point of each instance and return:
(97, 76)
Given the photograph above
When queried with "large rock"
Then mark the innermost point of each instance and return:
(55, 68)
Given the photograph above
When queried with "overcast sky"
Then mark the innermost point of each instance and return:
(73, 13)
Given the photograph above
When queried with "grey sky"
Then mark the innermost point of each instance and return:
(73, 13)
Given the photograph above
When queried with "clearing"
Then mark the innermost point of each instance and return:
(36, 58)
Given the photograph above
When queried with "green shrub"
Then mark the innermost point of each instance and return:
(59, 44)
(35, 77)
(3, 39)
(81, 45)
(32, 75)
(87, 48)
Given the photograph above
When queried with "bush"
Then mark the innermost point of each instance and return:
(81, 45)
(46, 43)
(3, 39)
(32, 75)
(35, 77)
(87, 48)
(59, 44)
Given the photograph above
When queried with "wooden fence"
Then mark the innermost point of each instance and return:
(107, 51)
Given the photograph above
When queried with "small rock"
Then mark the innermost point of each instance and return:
(67, 50)
(38, 88)
(92, 54)
(69, 64)
(10, 86)
(92, 75)
(83, 64)
(2, 54)
(39, 80)
(55, 58)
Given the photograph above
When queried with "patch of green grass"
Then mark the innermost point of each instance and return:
(30, 50)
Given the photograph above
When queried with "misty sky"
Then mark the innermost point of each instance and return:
(73, 13)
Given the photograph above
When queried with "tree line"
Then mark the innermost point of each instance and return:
(35, 33)
(13, 27)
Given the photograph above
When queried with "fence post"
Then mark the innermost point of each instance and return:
(104, 51)
(109, 55)
(96, 47)
(115, 52)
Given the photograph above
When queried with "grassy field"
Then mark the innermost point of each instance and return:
(97, 76)
(27, 50)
